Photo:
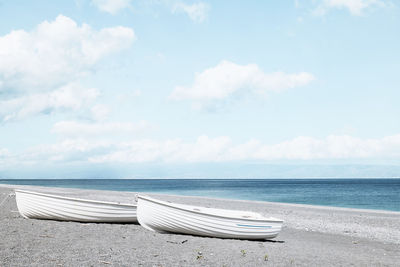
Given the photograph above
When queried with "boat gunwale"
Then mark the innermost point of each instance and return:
(171, 205)
(75, 199)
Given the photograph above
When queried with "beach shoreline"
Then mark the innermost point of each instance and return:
(99, 191)
(312, 235)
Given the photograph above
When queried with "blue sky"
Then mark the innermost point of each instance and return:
(207, 89)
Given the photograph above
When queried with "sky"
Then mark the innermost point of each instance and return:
(199, 89)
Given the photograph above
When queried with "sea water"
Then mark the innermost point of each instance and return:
(383, 194)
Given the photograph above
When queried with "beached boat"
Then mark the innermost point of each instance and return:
(162, 216)
(36, 205)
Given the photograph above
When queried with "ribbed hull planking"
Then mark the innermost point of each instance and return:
(36, 205)
(162, 216)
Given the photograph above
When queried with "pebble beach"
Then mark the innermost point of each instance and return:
(311, 236)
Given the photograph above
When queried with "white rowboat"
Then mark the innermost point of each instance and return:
(162, 216)
(36, 205)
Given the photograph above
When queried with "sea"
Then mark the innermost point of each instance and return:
(380, 194)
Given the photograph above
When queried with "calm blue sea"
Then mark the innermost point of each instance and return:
(381, 194)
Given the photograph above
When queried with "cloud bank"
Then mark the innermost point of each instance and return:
(80, 146)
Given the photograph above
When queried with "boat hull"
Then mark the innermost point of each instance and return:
(35, 205)
(161, 216)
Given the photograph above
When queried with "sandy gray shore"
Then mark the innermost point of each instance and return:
(312, 236)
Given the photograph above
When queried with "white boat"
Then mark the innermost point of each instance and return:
(166, 217)
(36, 205)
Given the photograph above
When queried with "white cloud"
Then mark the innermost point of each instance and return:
(111, 6)
(68, 97)
(81, 129)
(40, 70)
(355, 7)
(196, 12)
(55, 53)
(226, 78)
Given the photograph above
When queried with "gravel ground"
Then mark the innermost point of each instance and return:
(312, 236)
